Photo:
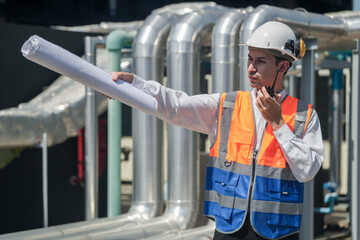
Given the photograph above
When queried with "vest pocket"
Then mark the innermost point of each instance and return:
(284, 191)
(284, 220)
(242, 147)
(226, 187)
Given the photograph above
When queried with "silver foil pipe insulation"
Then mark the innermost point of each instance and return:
(204, 232)
(103, 27)
(91, 136)
(58, 111)
(224, 65)
(147, 131)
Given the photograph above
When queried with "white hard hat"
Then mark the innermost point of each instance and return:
(278, 39)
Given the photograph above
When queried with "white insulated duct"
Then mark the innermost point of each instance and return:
(333, 31)
(58, 111)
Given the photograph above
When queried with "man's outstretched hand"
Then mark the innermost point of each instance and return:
(127, 77)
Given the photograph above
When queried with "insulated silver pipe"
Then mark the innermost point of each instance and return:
(183, 58)
(148, 54)
(147, 131)
(224, 74)
(203, 232)
(184, 8)
(225, 51)
(91, 136)
(334, 31)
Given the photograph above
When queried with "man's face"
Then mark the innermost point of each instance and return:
(261, 69)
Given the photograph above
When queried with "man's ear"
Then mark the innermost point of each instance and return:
(284, 66)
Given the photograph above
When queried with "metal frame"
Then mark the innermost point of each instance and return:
(91, 136)
(354, 148)
(308, 95)
(45, 179)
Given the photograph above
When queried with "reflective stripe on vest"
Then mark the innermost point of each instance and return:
(276, 197)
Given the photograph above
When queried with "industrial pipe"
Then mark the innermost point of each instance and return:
(114, 43)
(91, 136)
(147, 131)
(224, 75)
(337, 123)
(225, 51)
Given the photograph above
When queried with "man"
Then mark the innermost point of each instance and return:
(265, 145)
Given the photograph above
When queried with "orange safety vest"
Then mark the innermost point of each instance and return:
(241, 180)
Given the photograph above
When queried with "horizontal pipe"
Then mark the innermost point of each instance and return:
(58, 111)
(203, 232)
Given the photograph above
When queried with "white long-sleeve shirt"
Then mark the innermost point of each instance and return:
(198, 113)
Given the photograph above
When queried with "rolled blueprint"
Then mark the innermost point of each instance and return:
(68, 64)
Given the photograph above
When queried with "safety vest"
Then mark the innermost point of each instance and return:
(243, 181)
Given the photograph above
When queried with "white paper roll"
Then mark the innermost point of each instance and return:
(68, 64)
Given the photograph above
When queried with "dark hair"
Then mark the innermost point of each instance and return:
(279, 59)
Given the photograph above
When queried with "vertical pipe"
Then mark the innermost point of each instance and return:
(114, 42)
(308, 95)
(356, 5)
(112, 7)
(183, 68)
(354, 148)
(45, 178)
(114, 147)
(338, 89)
(147, 131)
(183, 74)
(293, 84)
(91, 141)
